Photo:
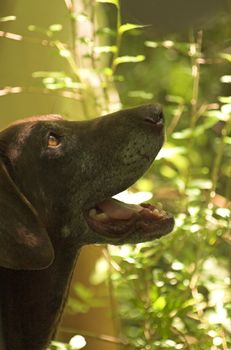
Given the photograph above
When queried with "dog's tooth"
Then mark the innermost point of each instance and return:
(159, 205)
(92, 213)
(156, 212)
(101, 217)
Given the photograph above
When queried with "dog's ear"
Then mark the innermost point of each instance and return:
(24, 243)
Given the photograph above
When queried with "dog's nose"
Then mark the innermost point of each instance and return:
(154, 115)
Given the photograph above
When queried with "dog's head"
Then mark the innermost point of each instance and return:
(57, 178)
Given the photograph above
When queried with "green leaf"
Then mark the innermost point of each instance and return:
(216, 115)
(114, 2)
(204, 184)
(170, 151)
(55, 27)
(182, 47)
(64, 53)
(44, 74)
(226, 56)
(129, 26)
(141, 94)
(83, 292)
(108, 71)
(227, 140)
(55, 345)
(77, 342)
(225, 99)
(223, 212)
(199, 130)
(105, 49)
(160, 303)
(175, 99)
(82, 17)
(226, 79)
(129, 59)
(184, 134)
(7, 18)
(152, 44)
(106, 31)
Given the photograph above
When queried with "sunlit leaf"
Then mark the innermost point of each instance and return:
(227, 140)
(77, 342)
(226, 79)
(188, 133)
(175, 99)
(225, 99)
(108, 71)
(177, 265)
(226, 56)
(129, 59)
(7, 18)
(55, 27)
(101, 271)
(83, 292)
(168, 43)
(169, 151)
(201, 183)
(152, 44)
(226, 111)
(167, 171)
(129, 26)
(224, 212)
(53, 74)
(159, 304)
(55, 345)
(114, 2)
(141, 94)
(82, 17)
(44, 31)
(216, 115)
(105, 49)
(77, 306)
(64, 53)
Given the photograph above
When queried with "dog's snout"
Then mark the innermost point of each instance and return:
(154, 116)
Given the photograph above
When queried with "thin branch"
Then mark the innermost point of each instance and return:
(195, 53)
(32, 90)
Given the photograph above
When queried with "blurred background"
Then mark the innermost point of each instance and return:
(82, 59)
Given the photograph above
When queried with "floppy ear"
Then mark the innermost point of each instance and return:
(24, 243)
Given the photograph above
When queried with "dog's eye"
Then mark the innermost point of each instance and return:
(53, 140)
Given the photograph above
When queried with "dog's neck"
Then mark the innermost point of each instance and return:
(38, 305)
(2, 343)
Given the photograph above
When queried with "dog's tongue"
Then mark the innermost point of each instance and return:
(118, 210)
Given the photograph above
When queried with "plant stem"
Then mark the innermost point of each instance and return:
(111, 291)
(196, 55)
(118, 38)
(218, 158)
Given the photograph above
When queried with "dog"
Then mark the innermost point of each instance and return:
(57, 178)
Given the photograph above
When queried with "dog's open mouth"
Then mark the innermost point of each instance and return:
(130, 222)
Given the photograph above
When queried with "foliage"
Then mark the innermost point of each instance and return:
(174, 293)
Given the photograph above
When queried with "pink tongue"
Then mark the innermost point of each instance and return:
(118, 210)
